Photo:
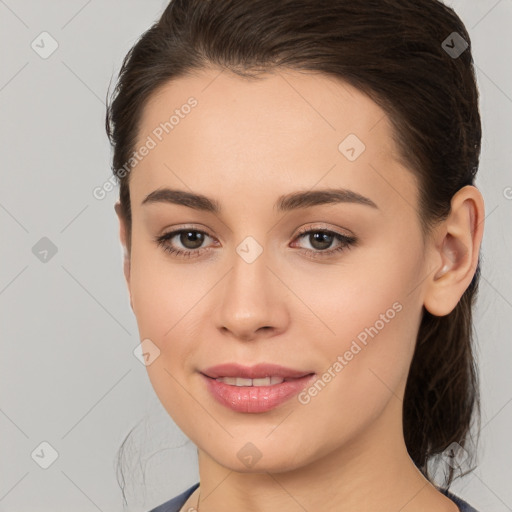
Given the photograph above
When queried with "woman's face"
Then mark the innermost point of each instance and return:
(252, 288)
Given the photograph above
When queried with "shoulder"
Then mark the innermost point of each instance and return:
(177, 502)
(463, 506)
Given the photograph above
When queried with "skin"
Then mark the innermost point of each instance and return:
(245, 144)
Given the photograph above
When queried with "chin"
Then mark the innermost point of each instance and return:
(258, 457)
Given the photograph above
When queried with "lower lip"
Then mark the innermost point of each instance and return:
(255, 398)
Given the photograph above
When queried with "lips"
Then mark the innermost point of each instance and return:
(258, 371)
(255, 398)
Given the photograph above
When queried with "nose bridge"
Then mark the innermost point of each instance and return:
(248, 283)
(250, 299)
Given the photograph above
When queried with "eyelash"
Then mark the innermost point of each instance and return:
(346, 242)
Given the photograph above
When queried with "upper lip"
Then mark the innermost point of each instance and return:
(257, 371)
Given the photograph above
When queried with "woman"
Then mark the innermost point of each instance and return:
(302, 236)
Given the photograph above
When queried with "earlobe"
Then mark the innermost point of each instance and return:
(455, 252)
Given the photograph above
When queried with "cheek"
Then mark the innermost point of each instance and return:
(169, 306)
(365, 367)
(363, 294)
(162, 293)
(164, 310)
(373, 316)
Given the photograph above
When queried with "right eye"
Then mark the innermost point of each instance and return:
(191, 240)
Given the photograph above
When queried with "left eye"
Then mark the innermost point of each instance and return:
(192, 239)
(321, 239)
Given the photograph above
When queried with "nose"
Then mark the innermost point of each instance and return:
(252, 301)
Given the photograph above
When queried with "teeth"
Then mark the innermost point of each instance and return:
(240, 381)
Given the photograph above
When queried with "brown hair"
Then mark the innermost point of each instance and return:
(396, 52)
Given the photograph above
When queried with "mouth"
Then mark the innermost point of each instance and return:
(255, 389)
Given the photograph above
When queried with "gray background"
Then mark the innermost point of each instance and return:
(68, 373)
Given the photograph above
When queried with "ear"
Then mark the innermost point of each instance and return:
(126, 253)
(455, 251)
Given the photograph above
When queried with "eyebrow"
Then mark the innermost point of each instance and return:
(285, 203)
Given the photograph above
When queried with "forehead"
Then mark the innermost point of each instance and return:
(287, 102)
(287, 130)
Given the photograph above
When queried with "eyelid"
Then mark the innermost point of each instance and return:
(316, 226)
(319, 226)
(184, 227)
